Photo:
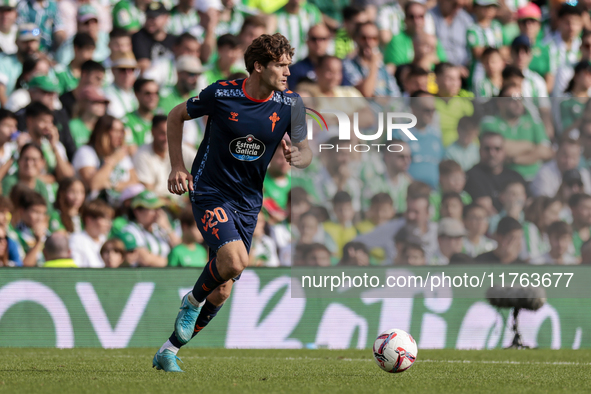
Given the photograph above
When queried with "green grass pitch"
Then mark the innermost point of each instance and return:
(293, 371)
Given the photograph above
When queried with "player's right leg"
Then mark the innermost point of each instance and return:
(230, 261)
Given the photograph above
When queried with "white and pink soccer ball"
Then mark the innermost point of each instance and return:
(395, 350)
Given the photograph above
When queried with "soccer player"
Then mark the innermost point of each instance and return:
(247, 120)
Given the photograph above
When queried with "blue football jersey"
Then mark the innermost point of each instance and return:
(240, 139)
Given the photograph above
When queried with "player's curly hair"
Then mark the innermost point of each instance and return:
(265, 49)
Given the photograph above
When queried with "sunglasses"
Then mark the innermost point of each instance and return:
(317, 39)
(492, 148)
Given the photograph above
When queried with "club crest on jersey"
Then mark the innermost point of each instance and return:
(247, 148)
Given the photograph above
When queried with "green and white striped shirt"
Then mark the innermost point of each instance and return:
(178, 23)
(295, 27)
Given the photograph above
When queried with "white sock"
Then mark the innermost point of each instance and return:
(168, 345)
(193, 301)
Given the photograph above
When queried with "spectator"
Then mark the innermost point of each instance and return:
(565, 73)
(353, 16)
(393, 179)
(580, 206)
(150, 230)
(15, 251)
(120, 92)
(488, 177)
(316, 255)
(104, 164)
(189, 72)
(87, 22)
(512, 199)
(355, 254)
(366, 70)
(152, 163)
(529, 18)
(390, 21)
(560, 237)
(342, 230)
(163, 70)
(533, 84)
(92, 105)
(57, 252)
(8, 27)
(452, 179)
(39, 121)
(413, 79)
(329, 82)
(229, 53)
(489, 84)
(565, 44)
(571, 110)
(11, 66)
(190, 252)
(113, 253)
(400, 49)
(426, 57)
(69, 76)
(549, 177)
(451, 104)
(253, 27)
(417, 215)
(451, 206)
(43, 89)
(542, 212)
(277, 182)
(412, 254)
(449, 237)
(381, 210)
(127, 195)
(130, 14)
(465, 150)
(426, 151)
(527, 144)
(317, 45)
(86, 245)
(139, 122)
(572, 183)
(451, 24)
(475, 241)
(32, 66)
(336, 175)
(232, 17)
(310, 230)
(183, 18)
(294, 20)
(8, 127)
(263, 252)
(31, 229)
(67, 206)
(30, 163)
(91, 74)
(485, 32)
(509, 237)
(585, 141)
(45, 15)
(8, 257)
(586, 252)
(119, 42)
(152, 41)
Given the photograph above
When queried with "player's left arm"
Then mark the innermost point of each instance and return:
(299, 154)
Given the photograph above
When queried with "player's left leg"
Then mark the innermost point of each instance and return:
(166, 357)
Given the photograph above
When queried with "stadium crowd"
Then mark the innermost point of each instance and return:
(500, 172)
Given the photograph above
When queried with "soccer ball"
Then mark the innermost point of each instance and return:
(395, 350)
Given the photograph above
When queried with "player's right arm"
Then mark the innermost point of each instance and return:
(180, 180)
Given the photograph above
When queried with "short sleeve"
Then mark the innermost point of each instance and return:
(85, 157)
(202, 104)
(297, 129)
(472, 39)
